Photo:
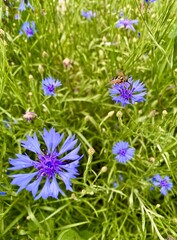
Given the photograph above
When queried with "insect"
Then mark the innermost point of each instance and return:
(120, 78)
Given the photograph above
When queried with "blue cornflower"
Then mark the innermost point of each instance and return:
(126, 23)
(2, 193)
(88, 15)
(28, 28)
(164, 184)
(17, 16)
(51, 164)
(49, 84)
(123, 151)
(128, 92)
(121, 13)
(116, 183)
(150, 1)
(25, 4)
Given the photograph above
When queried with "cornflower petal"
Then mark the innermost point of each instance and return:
(68, 144)
(72, 155)
(54, 189)
(88, 15)
(163, 191)
(134, 21)
(22, 180)
(30, 6)
(22, 6)
(45, 192)
(51, 139)
(65, 177)
(3, 193)
(33, 187)
(72, 167)
(130, 27)
(23, 161)
(32, 144)
(126, 23)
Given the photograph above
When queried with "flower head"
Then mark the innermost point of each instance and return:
(29, 116)
(49, 84)
(67, 63)
(150, 1)
(164, 184)
(88, 15)
(128, 92)
(126, 23)
(123, 152)
(2, 193)
(28, 28)
(50, 165)
(118, 181)
(25, 4)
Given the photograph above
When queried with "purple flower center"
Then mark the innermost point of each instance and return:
(163, 183)
(126, 93)
(123, 152)
(29, 31)
(126, 23)
(48, 164)
(51, 87)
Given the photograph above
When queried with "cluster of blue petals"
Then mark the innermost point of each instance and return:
(28, 28)
(51, 165)
(25, 4)
(164, 184)
(128, 92)
(49, 84)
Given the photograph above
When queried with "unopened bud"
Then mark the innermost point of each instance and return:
(134, 40)
(73, 196)
(30, 77)
(119, 114)
(83, 191)
(175, 220)
(67, 63)
(44, 54)
(43, 12)
(152, 113)
(104, 169)
(91, 151)
(40, 69)
(1, 32)
(110, 114)
(164, 113)
(152, 159)
(170, 238)
(87, 118)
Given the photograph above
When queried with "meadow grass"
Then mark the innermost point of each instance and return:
(97, 209)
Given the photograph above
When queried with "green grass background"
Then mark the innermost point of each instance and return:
(95, 210)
